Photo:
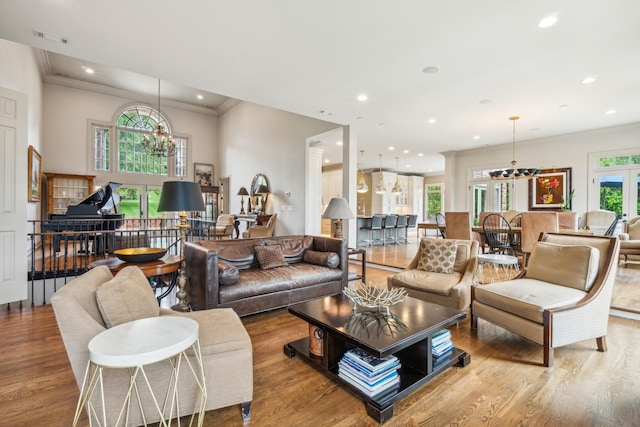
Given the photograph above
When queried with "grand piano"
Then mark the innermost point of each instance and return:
(98, 211)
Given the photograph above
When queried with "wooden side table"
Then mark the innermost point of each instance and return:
(133, 345)
(362, 253)
(168, 264)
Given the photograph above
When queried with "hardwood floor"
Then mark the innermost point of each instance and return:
(505, 384)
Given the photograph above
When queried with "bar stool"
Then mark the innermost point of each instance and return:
(402, 223)
(389, 224)
(376, 224)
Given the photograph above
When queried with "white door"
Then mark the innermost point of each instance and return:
(13, 196)
(617, 191)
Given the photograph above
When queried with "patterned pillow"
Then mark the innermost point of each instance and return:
(437, 256)
(270, 256)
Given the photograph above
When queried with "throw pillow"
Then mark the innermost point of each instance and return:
(437, 256)
(326, 259)
(270, 256)
(126, 297)
(228, 274)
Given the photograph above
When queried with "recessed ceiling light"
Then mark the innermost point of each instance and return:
(338, 142)
(610, 112)
(326, 160)
(407, 166)
(405, 151)
(476, 136)
(430, 170)
(588, 80)
(362, 97)
(199, 96)
(431, 69)
(420, 154)
(432, 120)
(391, 148)
(88, 70)
(548, 21)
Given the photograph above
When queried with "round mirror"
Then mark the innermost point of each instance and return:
(259, 184)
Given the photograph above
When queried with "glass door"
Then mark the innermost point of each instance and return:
(617, 191)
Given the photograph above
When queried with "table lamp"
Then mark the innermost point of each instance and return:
(181, 196)
(263, 192)
(338, 209)
(242, 192)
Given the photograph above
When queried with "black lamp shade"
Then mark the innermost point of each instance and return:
(180, 196)
(243, 192)
(262, 189)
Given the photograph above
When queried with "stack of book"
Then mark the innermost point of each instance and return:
(441, 347)
(373, 376)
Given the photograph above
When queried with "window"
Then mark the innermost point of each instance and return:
(131, 126)
(489, 195)
(435, 196)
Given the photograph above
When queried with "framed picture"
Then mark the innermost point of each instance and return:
(35, 175)
(550, 189)
(203, 174)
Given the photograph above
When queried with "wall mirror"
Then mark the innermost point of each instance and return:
(260, 189)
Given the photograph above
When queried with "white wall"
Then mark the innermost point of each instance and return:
(571, 150)
(68, 113)
(256, 139)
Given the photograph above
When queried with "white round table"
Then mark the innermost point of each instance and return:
(133, 345)
(495, 262)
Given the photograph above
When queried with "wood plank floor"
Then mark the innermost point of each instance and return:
(505, 384)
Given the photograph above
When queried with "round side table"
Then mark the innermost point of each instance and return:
(133, 345)
(495, 262)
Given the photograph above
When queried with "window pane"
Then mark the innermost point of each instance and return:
(101, 148)
(622, 161)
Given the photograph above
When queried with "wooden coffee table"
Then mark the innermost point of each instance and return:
(406, 334)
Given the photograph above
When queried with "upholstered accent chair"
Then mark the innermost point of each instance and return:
(599, 221)
(630, 240)
(224, 226)
(563, 297)
(96, 300)
(265, 230)
(444, 278)
(458, 225)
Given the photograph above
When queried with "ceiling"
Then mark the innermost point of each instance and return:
(315, 58)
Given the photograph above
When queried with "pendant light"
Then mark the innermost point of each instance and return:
(160, 143)
(396, 190)
(514, 172)
(362, 185)
(380, 187)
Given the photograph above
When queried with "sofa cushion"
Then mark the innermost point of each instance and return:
(270, 256)
(326, 259)
(294, 247)
(126, 297)
(527, 298)
(438, 256)
(426, 281)
(227, 273)
(566, 265)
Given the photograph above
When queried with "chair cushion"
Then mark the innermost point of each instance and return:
(126, 297)
(438, 256)
(326, 259)
(426, 281)
(270, 256)
(566, 265)
(228, 274)
(527, 298)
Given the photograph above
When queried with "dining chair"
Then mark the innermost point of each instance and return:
(441, 222)
(567, 220)
(516, 238)
(532, 224)
(497, 231)
(458, 225)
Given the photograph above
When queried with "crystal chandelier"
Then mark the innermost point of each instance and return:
(380, 187)
(161, 143)
(514, 172)
(396, 190)
(362, 185)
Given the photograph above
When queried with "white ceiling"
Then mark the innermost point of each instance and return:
(315, 58)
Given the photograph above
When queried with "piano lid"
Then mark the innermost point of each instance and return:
(101, 201)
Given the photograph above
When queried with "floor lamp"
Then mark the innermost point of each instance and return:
(181, 196)
(338, 209)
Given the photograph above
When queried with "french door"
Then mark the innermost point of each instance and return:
(139, 201)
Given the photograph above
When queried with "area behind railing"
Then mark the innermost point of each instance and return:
(56, 257)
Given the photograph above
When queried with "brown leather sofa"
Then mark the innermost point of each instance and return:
(226, 273)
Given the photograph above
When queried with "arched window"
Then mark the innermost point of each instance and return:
(131, 126)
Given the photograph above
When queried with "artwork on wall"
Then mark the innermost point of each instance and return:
(203, 174)
(35, 175)
(550, 189)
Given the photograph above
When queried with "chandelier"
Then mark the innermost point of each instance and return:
(514, 172)
(396, 190)
(380, 187)
(362, 185)
(160, 143)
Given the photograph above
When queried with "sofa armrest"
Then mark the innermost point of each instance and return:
(202, 276)
(339, 246)
(623, 236)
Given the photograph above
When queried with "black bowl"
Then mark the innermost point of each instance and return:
(140, 254)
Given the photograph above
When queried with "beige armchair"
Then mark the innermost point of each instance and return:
(226, 348)
(425, 280)
(261, 230)
(630, 240)
(562, 298)
(224, 226)
(600, 221)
